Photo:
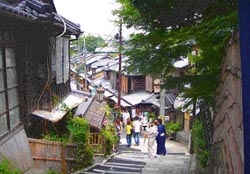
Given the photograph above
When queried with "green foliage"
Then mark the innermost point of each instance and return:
(199, 143)
(172, 127)
(84, 155)
(55, 99)
(152, 116)
(108, 111)
(91, 43)
(53, 172)
(170, 32)
(7, 168)
(54, 137)
(151, 15)
(79, 133)
(88, 155)
(79, 130)
(109, 132)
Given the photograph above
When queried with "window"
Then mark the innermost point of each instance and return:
(9, 102)
(62, 60)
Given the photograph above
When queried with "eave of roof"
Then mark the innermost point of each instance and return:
(57, 114)
(36, 11)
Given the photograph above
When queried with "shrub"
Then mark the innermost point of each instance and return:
(199, 143)
(109, 132)
(52, 172)
(172, 127)
(79, 130)
(152, 116)
(79, 133)
(54, 137)
(7, 168)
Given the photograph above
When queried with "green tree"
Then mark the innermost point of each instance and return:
(170, 30)
(91, 43)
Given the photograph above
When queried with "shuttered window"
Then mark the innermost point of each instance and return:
(9, 102)
(62, 60)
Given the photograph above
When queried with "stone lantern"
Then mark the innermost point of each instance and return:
(100, 94)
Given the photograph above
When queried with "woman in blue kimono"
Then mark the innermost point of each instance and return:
(161, 139)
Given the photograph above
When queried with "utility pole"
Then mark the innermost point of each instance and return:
(120, 64)
(162, 102)
(85, 66)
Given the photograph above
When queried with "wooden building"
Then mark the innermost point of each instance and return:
(34, 70)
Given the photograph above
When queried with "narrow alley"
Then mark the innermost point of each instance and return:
(134, 160)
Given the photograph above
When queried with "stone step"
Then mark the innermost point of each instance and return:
(123, 164)
(114, 169)
(160, 171)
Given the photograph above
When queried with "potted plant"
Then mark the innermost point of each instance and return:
(172, 128)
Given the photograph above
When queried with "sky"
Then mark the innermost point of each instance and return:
(94, 16)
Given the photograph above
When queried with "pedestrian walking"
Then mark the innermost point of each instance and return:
(137, 130)
(151, 135)
(117, 124)
(161, 138)
(118, 128)
(125, 116)
(129, 132)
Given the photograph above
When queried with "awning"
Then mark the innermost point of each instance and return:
(108, 94)
(123, 103)
(57, 114)
(180, 102)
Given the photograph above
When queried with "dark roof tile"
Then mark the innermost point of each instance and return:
(37, 10)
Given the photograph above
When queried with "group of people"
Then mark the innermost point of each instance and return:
(133, 129)
(155, 132)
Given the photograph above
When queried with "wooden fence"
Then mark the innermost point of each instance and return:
(98, 143)
(58, 157)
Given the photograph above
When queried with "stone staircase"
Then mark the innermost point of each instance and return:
(134, 161)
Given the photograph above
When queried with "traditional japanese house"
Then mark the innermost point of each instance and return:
(34, 72)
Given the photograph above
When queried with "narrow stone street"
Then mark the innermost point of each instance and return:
(134, 160)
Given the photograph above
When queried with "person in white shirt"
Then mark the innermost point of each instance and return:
(137, 128)
(144, 122)
(125, 116)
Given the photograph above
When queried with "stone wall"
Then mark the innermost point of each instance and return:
(227, 153)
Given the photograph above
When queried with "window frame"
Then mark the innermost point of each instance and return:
(9, 110)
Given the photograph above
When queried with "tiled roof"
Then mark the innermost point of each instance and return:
(93, 111)
(35, 10)
(169, 100)
(137, 97)
(106, 50)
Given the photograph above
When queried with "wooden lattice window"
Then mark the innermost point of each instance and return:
(9, 102)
